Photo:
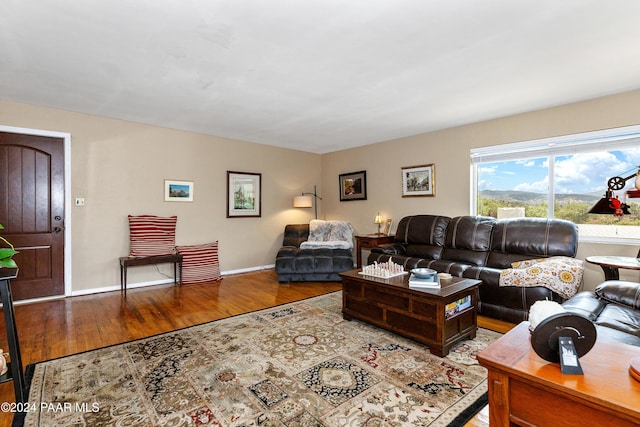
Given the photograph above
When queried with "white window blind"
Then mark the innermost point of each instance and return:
(604, 140)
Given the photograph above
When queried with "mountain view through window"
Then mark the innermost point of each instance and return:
(564, 187)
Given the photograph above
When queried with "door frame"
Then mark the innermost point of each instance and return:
(68, 288)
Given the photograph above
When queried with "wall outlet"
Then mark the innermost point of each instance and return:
(79, 201)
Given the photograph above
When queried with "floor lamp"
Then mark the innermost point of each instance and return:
(305, 200)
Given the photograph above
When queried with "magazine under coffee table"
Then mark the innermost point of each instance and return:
(438, 317)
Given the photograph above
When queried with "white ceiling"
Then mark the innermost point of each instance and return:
(315, 75)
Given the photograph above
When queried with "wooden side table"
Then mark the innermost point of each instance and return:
(526, 390)
(127, 261)
(611, 264)
(368, 241)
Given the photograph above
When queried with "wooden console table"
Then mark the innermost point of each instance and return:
(526, 390)
(15, 372)
(368, 241)
(127, 261)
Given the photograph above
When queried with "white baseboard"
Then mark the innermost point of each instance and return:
(155, 282)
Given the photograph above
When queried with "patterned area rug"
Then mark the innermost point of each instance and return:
(298, 364)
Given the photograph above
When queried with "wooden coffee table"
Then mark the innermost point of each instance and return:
(424, 315)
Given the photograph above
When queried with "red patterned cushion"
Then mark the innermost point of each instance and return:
(200, 263)
(151, 235)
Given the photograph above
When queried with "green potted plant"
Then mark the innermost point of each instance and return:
(6, 254)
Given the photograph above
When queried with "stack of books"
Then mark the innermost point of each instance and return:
(415, 282)
(456, 307)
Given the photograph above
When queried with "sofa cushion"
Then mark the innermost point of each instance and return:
(468, 239)
(422, 235)
(586, 304)
(294, 234)
(422, 230)
(470, 232)
(532, 237)
(620, 292)
(151, 235)
(621, 318)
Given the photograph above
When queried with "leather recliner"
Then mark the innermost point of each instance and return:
(294, 264)
(614, 307)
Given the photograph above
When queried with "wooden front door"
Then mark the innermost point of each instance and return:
(32, 211)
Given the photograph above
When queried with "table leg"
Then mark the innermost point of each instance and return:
(610, 273)
(498, 384)
(176, 280)
(124, 279)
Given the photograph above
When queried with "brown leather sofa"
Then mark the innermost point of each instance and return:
(614, 307)
(480, 248)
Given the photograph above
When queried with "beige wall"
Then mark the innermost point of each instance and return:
(449, 151)
(119, 167)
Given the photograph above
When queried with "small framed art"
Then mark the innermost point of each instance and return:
(418, 181)
(244, 194)
(387, 227)
(178, 191)
(353, 186)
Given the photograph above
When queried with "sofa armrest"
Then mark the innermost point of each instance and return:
(620, 292)
(390, 249)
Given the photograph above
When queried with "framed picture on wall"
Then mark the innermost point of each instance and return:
(178, 191)
(244, 194)
(353, 186)
(418, 181)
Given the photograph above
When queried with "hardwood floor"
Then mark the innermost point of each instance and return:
(65, 326)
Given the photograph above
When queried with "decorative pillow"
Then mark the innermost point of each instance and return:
(562, 275)
(319, 230)
(200, 263)
(151, 235)
(341, 230)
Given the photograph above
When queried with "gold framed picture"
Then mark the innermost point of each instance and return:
(418, 181)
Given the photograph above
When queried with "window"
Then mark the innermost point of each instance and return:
(562, 177)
